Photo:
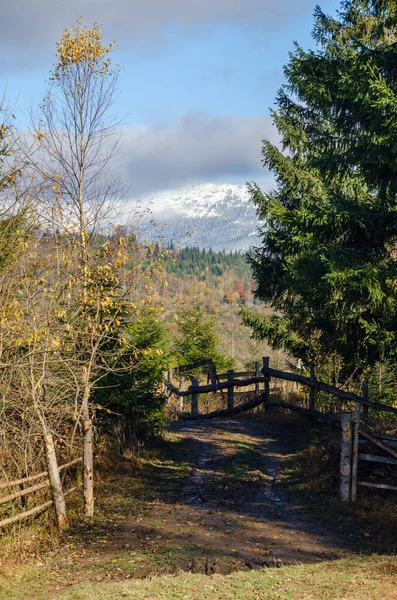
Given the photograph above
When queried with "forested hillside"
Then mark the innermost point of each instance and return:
(220, 276)
(219, 283)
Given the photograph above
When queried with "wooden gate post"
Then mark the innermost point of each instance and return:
(356, 434)
(194, 409)
(312, 395)
(213, 374)
(365, 397)
(230, 390)
(345, 457)
(266, 385)
(180, 398)
(257, 374)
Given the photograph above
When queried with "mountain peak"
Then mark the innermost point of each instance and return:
(211, 215)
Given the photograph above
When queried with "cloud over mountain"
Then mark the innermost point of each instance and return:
(193, 149)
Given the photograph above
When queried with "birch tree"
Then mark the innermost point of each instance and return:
(77, 139)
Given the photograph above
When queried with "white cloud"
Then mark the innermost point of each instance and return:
(193, 149)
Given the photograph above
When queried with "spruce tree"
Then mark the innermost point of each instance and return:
(198, 340)
(328, 258)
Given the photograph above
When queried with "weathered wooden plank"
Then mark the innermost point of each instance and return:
(213, 374)
(238, 374)
(266, 383)
(230, 391)
(368, 443)
(325, 387)
(36, 510)
(257, 374)
(378, 459)
(345, 457)
(381, 486)
(73, 489)
(270, 372)
(385, 436)
(8, 484)
(355, 453)
(176, 390)
(15, 482)
(192, 367)
(205, 389)
(378, 442)
(71, 463)
(29, 490)
(24, 515)
(194, 405)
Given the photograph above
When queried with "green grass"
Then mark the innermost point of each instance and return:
(363, 578)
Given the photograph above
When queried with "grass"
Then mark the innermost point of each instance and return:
(360, 578)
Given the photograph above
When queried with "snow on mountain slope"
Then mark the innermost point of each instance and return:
(217, 216)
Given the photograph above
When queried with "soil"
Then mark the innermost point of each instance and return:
(225, 513)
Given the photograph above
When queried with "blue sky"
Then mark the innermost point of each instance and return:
(192, 72)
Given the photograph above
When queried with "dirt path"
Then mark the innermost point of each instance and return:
(233, 492)
(219, 512)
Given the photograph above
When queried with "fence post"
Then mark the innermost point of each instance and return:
(230, 390)
(194, 409)
(356, 423)
(345, 457)
(365, 397)
(257, 374)
(266, 386)
(213, 374)
(312, 395)
(180, 398)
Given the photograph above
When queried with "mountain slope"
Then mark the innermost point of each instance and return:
(217, 216)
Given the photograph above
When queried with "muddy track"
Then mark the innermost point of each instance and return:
(234, 489)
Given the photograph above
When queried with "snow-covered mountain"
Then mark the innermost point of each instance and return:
(217, 216)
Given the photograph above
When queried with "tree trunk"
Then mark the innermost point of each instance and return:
(88, 464)
(55, 482)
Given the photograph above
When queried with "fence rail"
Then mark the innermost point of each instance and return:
(8, 484)
(268, 372)
(31, 490)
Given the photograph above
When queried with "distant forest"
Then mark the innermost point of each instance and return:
(227, 274)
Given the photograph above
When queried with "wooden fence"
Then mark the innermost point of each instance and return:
(353, 425)
(31, 490)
